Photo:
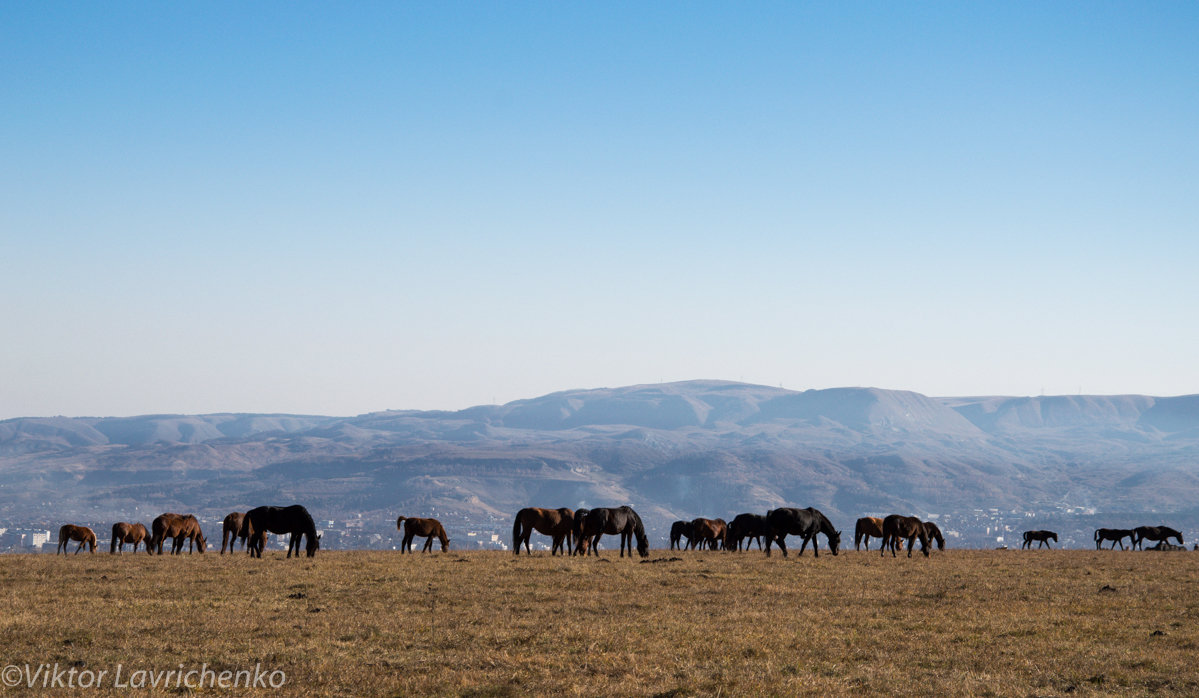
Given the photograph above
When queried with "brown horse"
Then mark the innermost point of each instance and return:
(179, 528)
(897, 527)
(868, 527)
(123, 533)
(709, 533)
(83, 534)
(1043, 536)
(231, 531)
(556, 523)
(425, 528)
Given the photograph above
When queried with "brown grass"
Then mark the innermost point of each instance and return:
(491, 624)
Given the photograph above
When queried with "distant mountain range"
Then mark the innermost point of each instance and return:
(674, 450)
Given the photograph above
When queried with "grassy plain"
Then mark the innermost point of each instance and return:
(706, 623)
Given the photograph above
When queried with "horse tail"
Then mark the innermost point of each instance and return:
(400, 522)
(112, 547)
(516, 532)
(1096, 535)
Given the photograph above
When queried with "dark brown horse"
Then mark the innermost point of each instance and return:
(1042, 536)
(70, 532)
(123, 533)
(425, 528)
(622, 521)
(294, 520)
(231, 531)
(1158, 533)
(1115, 535)
(806, 523)
(678, 531)
(558, 524)
(867, 527)
(180, 529)
(711, 533)
(934, 534)
(896, 527)
(745, 527)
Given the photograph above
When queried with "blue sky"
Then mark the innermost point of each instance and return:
(336, 209)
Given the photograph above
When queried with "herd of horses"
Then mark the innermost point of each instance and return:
(578, 532)
(250, 527)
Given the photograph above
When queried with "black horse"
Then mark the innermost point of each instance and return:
(678, 531)
(745, 527)
(1158, 533)
(1115, 535)
(1043, 536)
(800, 522)
(622, 521)
(294, 519)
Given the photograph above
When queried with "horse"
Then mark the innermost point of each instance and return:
(1158, 533)
(896, 527)
(1116, 535)
(70, 532)
(678, 531)
(708, 532)
(745, 526)
(801, 522)
(123, 533)
(294, 519)
(179, 528)
(934, 533)
(556, 523)
(231, 532)
(867, 527)
(622, 521)
(1043, 536)
(425, 528)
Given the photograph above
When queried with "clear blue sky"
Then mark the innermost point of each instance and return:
(338, 208)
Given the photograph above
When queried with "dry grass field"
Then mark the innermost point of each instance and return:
(709, 623)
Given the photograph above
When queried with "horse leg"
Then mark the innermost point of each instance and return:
(782, 545)
(428, 544)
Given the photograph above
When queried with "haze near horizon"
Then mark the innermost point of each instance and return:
(339, 210)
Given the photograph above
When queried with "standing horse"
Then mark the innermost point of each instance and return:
(425, 528)
(231, 531)
(709, 532)
(800, 522)
(744, 527)
(70, 532)
(1115, 535)
(867, 527)
(1043, 536)
(123, 533)
(1158, 533)
(622, 521)
(896, 527)
(556, 523)
(294, 519)
(678, 531)
(178, 528)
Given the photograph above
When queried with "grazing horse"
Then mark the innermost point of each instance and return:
(294, 520)
(622, 521)
(231, 531)
(556, 523)
(708, 532)
(896, 527)
(179, 528)
(425, 528)
(1042, 536)
(800, 522)
(867, 527)
(678, 531)
(1116, 535)
(123, 533)
(744, 527)
(83, 534)
(1158, 533)
(934, 533)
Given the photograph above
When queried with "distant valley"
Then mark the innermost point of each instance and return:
(677, 450)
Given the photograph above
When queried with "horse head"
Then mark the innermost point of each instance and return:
(834, 541)
(314, 544)
(201, 543)
(445, 545)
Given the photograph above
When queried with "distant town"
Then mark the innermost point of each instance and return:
(975, 528)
